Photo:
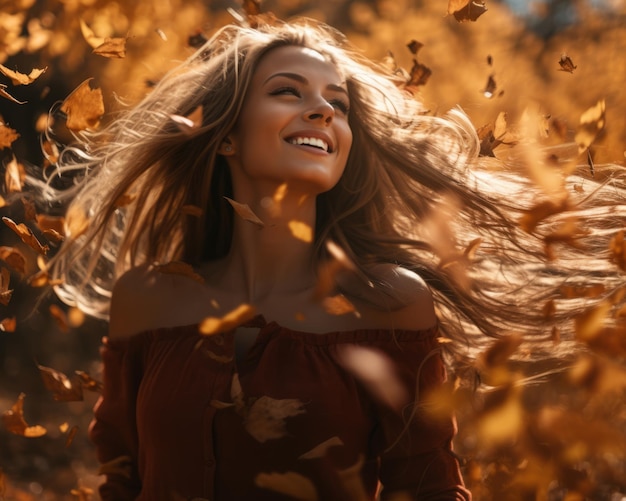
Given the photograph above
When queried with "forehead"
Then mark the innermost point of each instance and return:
(295, 59)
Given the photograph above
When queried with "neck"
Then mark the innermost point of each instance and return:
(275, 258)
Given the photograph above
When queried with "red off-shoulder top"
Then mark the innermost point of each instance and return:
(291, 421)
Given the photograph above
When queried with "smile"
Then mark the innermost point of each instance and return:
(311, 141)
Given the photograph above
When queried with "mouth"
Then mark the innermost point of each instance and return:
(312, 142)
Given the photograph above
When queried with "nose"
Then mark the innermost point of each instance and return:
(322, 112)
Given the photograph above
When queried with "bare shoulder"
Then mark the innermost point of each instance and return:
(144, 298)
(403, 299)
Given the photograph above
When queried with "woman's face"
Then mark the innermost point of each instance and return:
(293, 126)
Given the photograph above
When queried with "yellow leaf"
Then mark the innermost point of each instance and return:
(7, 136)
(112, 47)
(592, 121)
(20, 78)
(14, 421)
(301, 231)
(14, 176)
(91, 38)
(84, 107)
(234, 318)
(6, 95)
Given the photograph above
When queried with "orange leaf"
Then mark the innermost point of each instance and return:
(339, 305)
(14, 258)
(233, 319)
(14, 176)
(466, 10)
(592, 121)
(567, 64)
(59, 316)
(91, 38)
(8, 324)
(589, 324)
(20, 78)
(7, 136)
(617, 249)
(76, 222)
(55, 223)
(26, 235)
(14, 421)
(301, 231)
(5, 292)
(84, 107)
(245, 212)
(88, 383)
(6, 95)
(63, 390)
(112, 47)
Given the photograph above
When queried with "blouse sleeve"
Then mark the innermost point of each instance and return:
(416, 456)
(113, 429)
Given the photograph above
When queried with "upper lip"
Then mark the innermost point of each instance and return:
(316, 134)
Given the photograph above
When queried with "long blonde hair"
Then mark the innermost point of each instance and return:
(406, 169)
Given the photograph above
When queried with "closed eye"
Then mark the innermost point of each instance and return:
(341, 105)
(286, 90)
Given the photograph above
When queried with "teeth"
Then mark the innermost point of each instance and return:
(311, 141)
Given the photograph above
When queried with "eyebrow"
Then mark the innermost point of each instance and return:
(301, 79)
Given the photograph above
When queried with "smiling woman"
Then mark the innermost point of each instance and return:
(283, 271)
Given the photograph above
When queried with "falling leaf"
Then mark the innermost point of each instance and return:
(5, 292)
(8, 324)
(54, 223)
(414, 46)
(319, 451)
(213, 325)
(14, 176)
(180, 268)
(502, 419)
(121, 465)
(64, 427)
(419, 74)
(7, 136)
(88, 383)
(567, 64)
(91, 38)
(244, 212)
(70, 436)
(490, 87)
(84, 107)
(592, 122)
(30, 211)
(493, 362)
(339, 305)
(75, 316)
(26, 235)
(377, 372)
(112, 48)
(63, 390)
(6, 95)
(20, 78)
(290, 483)
(76, 222)
(59, 317)
(14, 258)
(589, 324)
(464, 10)
(540, 211)
(301, 231)
(42, 279)
(265, 418)
(14, 421)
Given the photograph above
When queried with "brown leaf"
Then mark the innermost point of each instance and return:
(291, 484)
(540, 211)
(15, 423)
(54, 223)
(112, 48)
(493, 362)
(592, 122)
(180, 268)
(84, 107)
(245, 212)
(5, 292)
(20, 78)
(464, 10)
(589, 324)
(26, 235)
(252, 7)
(6, 95)
(63, 390)
(70, 435)
(14, 258)
(414, 46)
(30, 212)
(419, 74)
(567, 64)
(233, 319)
(59, 317)
(14, 176)
(490, 87)
(7, 136)
(8, 324)
(88, 383)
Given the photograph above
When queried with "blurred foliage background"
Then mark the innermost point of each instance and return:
(505, 61)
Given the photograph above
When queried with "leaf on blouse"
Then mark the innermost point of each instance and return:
(290, 483)
(63, 390)
(233, 319)
(179, 268)
(319, 451)
(14, 258)
(14, 421)
(376, 371)
(245, 212)
(121, 465)
(339, 305)
(266, 417)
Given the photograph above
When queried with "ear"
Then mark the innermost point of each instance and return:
(227, 148)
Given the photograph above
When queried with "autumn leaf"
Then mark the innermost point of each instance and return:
(493, 362)
(339, 305)
(26, 235)
(234, 318)
(290, 483)
(301, 231)
(8, 324)
(502, 419)
(20, 78)
(112, 48)
(588, 325)
(90, 37)
(15, 423)
(76, 222)
(464, 10)
(5, 292)
(414, 46)
(541, 211)
(567, 64)
(59, 317)
(42, 279)
(490, 87)
(419, 74)
(55, 224)
(63, 390)
(245, 212)
(7, 136)
(6, 95)
(84, 107)
(70, 435)
(14, 258)
(180, 268)
(592, 122)
(14, 176)
(82, 493)
(88, 383)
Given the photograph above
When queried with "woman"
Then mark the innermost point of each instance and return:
(298, 359)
